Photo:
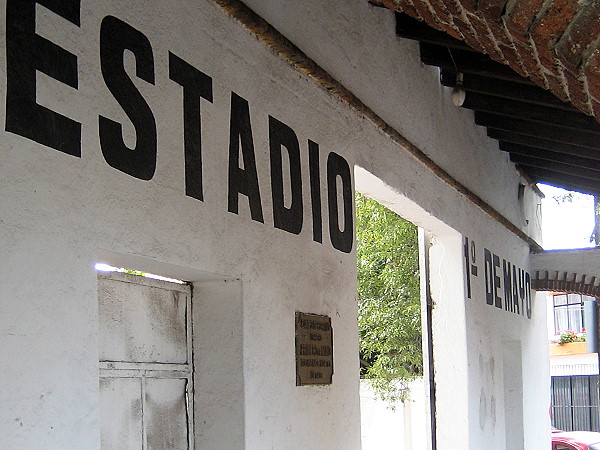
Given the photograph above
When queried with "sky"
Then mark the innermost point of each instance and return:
(566, 224)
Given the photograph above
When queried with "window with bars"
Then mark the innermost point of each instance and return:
(568, 312)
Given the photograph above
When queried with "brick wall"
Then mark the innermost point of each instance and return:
(555, 43)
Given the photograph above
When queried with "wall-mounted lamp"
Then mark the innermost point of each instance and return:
(458, 93)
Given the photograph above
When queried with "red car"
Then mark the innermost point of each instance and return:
(575, 440)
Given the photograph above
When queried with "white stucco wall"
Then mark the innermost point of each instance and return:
(581, 262)
(401, 426)
(59, 214)
(356, 43)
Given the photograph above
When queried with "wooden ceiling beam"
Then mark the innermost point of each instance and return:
(528, 112)
(568, 169)
(517, 149)
(569, 182)
(505, 89)
(467, 62)
(546, 144)
(548, 138)
(541, 130)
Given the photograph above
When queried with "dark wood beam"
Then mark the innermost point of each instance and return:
(568, 169)
(467, 62)
(505, 89)
(545, 144)
(528, 112)
(544, 131)
(516, 149)
(569, 182)
(548, 138)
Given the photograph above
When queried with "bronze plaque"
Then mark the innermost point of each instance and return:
(314, 349)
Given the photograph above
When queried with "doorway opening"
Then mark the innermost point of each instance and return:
(145, 360)
(443, 332)
(390, 328)
(389, 311)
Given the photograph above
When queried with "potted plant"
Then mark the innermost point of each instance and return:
(569, 343)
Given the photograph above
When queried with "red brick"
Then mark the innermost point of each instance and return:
(592, 72)
(596, 107)
(548, 62)
(426, 14)
(521, 15)
(455, 33)
(532, 66)
(553, 65)
(451, 29)
(518, 37)
(577, 94)
(473, 41)
(549, 27)
(498, 30)
(584, 30)
(462, 24)
(455, 9)
(520, 70)
(492, 9)
(510, 54)
(533, 71)
(405, 6)
(527, 55)
(592, 63)
(507, 48)
(469, 5)
(536, 76)
(505, 44)
(444, 18)
(442, 12)
(556, 87)
(483, 36)
(594, 85)
(468, 33)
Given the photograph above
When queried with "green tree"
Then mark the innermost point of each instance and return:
(389, 316)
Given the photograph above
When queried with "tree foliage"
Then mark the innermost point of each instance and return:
(388, 299)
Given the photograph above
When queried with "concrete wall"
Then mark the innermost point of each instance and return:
(62, 212)
(401, 427)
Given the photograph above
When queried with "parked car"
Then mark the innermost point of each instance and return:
(575, 440)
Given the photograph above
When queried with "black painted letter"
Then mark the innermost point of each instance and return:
(489, 274)
(27, 52)
(508, 300)
(117, 36)
(315, 190)
(340, 239)
(528, 295)
(515, 291)
(497, 285)
(242, 181)
(195, 85)
(280, 135)
(522, 290)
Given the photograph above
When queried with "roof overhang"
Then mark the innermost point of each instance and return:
(573, 271)
(534, 97)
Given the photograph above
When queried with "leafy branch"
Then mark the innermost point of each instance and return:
(388, 299)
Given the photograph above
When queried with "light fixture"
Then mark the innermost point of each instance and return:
(458, 93)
